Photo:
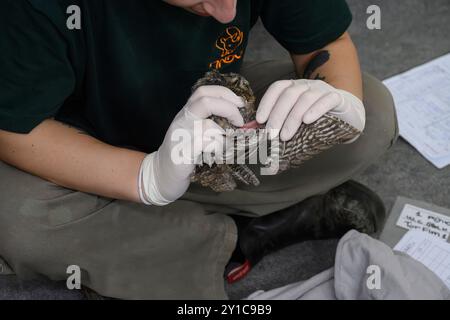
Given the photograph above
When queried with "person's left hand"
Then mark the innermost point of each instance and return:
(289, 103)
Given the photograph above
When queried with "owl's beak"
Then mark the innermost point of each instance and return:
(251, 125)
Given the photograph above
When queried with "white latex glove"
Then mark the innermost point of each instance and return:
(164, 174)
(289, 103)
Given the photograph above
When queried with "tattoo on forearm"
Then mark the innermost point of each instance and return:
(316, 62)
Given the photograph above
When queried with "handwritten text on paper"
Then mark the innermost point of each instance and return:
(415, 218)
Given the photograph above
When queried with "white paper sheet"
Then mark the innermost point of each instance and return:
(433, 223)
(434, 253)
(422, 99)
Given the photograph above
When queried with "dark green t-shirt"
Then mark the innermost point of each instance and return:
(129, 70)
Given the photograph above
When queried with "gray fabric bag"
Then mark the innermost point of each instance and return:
(401, 277)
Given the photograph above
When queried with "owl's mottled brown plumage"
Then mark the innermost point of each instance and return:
(309, 141)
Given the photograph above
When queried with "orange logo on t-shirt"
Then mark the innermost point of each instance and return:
(229, 44)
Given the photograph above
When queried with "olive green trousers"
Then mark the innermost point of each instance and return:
(132, 251)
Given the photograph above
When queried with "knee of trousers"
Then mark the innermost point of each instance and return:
(45, 228)
(382, 129)
(380, 133)
(30, 213)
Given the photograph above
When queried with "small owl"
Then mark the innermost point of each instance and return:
(309, 140)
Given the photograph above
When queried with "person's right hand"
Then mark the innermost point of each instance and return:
(165, 174)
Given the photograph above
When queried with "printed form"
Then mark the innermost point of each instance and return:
(431, 251)
(422, 99)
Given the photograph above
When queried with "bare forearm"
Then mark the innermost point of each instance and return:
(336, 64)
(72, 159)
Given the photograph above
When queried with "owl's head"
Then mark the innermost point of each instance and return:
(236, 83)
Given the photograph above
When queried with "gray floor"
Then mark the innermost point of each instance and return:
(413, 32)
